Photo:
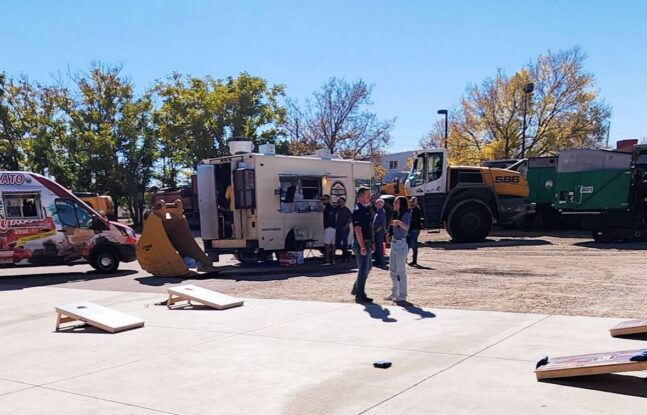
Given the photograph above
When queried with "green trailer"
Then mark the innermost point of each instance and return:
(606, 189)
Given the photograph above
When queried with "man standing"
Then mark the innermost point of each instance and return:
(344, 218)
(329, 222)
(414, 230)
(362, 227)
(379, 232)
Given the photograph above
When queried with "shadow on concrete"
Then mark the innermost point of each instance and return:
(538, 233)
(82, 328)
(41, 280)
(416, 310)
(612, 383)
(625, 246)
(488, 243)
(637, 336)
(378, 312)
(418, 266)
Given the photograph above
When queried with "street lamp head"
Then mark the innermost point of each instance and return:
(528, 88)
(442, 112)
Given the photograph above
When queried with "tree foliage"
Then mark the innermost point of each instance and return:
(336, 119)
(564, 111)
(198, 116)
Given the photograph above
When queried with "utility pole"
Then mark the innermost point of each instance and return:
(527, 89)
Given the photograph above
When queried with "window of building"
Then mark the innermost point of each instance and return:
(22, 205)
(393, 164)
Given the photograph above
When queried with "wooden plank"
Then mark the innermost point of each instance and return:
(629, 327)
(203, 296)
(591, 364)
(97, 316)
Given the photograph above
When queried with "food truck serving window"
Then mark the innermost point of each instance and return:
(300, 193)
(22, 205)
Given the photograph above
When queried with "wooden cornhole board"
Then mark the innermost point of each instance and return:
(201, 295)
(590, 364)
(98, 316)
(629, 327)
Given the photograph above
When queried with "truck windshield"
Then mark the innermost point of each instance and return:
(417, 173)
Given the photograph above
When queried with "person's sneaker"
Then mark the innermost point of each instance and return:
(389, 297)
(361, 300)
(413, 264)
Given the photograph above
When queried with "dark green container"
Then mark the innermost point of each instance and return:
(541, 176)
(592, 180)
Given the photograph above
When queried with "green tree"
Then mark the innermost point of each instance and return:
(198, 116)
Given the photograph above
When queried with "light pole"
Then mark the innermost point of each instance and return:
(527, 89)
(444, 112)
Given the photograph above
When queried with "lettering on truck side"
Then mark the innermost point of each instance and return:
(506, 179)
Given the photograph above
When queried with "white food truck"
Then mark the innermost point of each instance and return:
(256, 204)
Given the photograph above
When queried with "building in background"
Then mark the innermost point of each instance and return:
(396, 165)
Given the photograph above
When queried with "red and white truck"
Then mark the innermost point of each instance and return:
(42, 223)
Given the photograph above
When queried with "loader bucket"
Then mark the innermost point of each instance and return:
(167, 239)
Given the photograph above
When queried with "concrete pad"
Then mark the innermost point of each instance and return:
(250, 374)
(7, 386)
(563, 336)
(254, 315)
(450, 331)
(38, 401)
(495, 386)
(41, 355)
(21, 310)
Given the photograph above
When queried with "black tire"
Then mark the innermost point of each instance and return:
(106, 261)
(469, 222)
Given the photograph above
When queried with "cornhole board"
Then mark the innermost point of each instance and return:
(98, 316)
(629, 327)
(590, 364)
(201, 295)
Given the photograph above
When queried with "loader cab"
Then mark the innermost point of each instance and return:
(428, 173)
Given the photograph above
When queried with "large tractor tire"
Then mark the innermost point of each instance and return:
(469, 222)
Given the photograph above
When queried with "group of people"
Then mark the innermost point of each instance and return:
(336, 222)
(372, 226)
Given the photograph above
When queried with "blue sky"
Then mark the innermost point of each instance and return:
(420, 55)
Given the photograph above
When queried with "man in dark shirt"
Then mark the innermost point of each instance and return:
(379, 232)
(362, 227)
(414, 230)
(344, 218)
(329, 224)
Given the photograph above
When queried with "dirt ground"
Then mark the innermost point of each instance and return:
(564, 273)
(558, 273)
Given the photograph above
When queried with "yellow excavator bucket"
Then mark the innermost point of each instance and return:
(166, 240)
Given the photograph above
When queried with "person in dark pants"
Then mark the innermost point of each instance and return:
(414, 230)
(344, 218)
(362, 227)
(329, 222)
(379, 232)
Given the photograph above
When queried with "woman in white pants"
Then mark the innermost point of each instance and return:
(399, 248)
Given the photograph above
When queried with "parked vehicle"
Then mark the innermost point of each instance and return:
(256, 204)
(187, 194)
(607, 189)
(101, 203)
(42, 223)
(466, 200)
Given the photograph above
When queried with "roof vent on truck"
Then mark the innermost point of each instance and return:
(240, 145)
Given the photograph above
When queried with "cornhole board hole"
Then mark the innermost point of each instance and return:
(98, 316)
(193, 293)
(590, 364)
(629, 327)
